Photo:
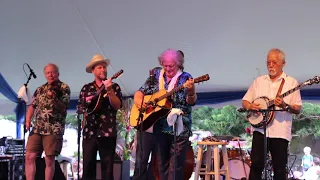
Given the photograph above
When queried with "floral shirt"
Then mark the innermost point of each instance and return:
(103, 122)
(178, 101)
(48, 118)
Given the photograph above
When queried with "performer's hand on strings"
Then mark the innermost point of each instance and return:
(189, 84)
(280, 103)
(107, 83)
(144, 105)
(51, 94)
(255, 107)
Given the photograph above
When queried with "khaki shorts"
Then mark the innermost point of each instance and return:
(51, 144)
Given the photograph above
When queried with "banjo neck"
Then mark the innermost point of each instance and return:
(271, 103)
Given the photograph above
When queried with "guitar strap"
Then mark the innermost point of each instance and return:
(176, 85)
(280, 88)
(96, 86)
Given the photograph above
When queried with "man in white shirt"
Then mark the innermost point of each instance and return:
(279, 130)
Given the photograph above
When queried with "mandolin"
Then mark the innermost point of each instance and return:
(95, 104)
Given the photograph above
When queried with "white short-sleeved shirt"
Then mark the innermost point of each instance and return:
(280, 127)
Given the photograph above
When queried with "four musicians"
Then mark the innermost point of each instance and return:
(51, 101)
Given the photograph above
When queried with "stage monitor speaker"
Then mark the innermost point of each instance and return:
(40, 172)
(18, 172)
(5, 169)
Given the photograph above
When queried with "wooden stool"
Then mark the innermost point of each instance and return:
(217, 171)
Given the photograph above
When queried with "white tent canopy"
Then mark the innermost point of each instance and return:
(227, 39)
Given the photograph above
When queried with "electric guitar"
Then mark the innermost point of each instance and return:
(159, 106)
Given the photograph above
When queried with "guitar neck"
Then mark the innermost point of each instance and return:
(174, 90)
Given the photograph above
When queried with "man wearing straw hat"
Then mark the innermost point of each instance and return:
(99, 129)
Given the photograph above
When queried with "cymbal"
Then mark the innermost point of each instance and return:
(229, 138)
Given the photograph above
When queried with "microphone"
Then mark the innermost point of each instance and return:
(31, 71)
(151, 76)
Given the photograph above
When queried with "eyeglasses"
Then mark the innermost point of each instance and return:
(169, 66)
(273, 62)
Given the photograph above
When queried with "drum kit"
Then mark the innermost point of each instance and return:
(239, 158)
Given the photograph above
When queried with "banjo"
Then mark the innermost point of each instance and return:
(256, 119)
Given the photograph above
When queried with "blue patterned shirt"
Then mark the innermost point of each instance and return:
(178, 101)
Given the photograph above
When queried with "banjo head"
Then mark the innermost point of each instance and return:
(256, 119)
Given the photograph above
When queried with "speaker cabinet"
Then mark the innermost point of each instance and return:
(18, 168)
(5, 171)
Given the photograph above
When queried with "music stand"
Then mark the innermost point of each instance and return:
(264, 113)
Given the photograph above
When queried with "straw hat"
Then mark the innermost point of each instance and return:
(96, 59)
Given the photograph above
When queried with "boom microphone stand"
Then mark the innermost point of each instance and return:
(24, 125)
(80, 115)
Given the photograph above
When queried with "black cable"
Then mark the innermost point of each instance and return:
(24, 69)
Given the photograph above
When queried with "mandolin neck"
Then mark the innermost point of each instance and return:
(102, 87)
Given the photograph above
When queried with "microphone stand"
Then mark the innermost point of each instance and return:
(140, 120)
(25, 128)
(78, 141)
(79, 115)
(139, 132)
(175, 148)
(264, 113)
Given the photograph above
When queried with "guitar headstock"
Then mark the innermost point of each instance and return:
(203, 78)
(116, 75)
(314, 80)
